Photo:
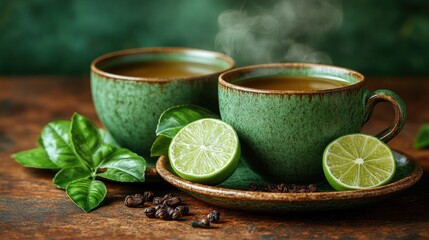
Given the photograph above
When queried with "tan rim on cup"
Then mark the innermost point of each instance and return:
(203, 54)
(245, 72)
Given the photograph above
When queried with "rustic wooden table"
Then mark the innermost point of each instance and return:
(31, 207)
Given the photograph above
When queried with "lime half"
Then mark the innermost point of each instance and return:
(358, 161)
(205, 151)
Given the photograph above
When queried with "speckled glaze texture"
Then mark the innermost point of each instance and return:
(234, 193)
(284, 133)
(130, 108)
(289, 133)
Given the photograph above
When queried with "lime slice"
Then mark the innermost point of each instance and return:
(358, 161)
(205, 151)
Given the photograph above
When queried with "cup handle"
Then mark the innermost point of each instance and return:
(398, 105)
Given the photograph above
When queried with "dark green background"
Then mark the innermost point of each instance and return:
(385, 37)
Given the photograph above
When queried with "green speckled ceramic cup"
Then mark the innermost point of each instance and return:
(129, 106)
(284, 132)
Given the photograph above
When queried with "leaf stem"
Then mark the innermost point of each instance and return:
(94, 174)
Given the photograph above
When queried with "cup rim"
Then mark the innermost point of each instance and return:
(225, 83)
(95, 68)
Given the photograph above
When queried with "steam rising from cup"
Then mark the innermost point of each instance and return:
(283, 32)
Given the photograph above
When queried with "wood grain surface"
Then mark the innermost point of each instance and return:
(32, 208)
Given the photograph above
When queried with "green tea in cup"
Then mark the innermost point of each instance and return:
(163, 69)
(292, 83)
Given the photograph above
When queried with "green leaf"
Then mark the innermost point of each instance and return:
(86, 193)
(175, 118)
(160, 146)
(422, 138)
(108, 139)
(124, 166)
(68, 175)
(86, 139)
(40, 143)
(102, 153)
(56, 142)
(35, 158)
